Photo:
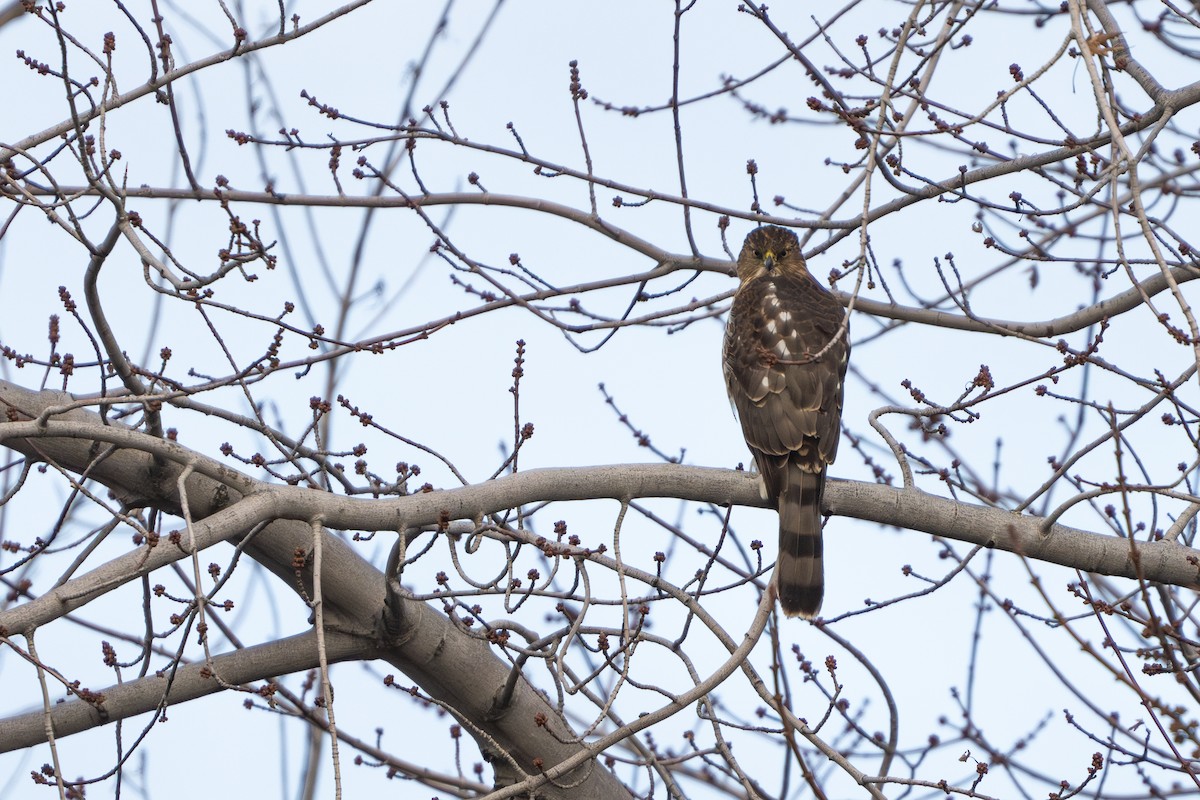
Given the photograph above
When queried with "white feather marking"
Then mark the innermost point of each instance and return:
(766, 382)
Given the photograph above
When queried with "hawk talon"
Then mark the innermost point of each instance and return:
(769, 358)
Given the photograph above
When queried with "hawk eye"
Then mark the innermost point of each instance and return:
(758, 253)
(783, 253)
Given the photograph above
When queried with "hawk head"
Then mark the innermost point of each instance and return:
(769, 250)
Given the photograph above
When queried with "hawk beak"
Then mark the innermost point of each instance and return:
(769, 260)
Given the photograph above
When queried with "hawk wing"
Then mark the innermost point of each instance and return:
(790, 404)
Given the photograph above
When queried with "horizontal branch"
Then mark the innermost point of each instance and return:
(1160, 562)
(1068, 323)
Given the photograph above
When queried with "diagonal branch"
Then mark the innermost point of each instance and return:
(456, 669)
(191, 681)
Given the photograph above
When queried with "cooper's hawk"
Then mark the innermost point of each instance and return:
(785, 364)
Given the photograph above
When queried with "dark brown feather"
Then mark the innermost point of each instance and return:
(785, 360)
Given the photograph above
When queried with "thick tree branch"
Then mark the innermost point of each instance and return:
(1159, 562)
(452, 667)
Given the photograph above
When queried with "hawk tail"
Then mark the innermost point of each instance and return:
(799, 576)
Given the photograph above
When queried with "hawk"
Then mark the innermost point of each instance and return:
(785, 353)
